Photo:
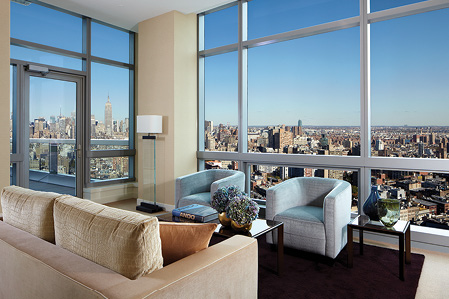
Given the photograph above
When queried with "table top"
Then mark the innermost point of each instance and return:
(363, 222)
(259, 227)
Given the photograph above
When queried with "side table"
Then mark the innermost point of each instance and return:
(400, 229)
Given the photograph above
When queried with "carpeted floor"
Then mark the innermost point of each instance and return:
(374, 275)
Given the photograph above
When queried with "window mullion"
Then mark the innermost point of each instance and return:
(242, 80)
(365, 105)
(201, 91)
(87, 38)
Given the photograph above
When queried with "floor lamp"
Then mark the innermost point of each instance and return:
(150, 124)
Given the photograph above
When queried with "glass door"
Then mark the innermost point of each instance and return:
(52, 141)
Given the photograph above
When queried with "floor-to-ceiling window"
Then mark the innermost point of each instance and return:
(355, 90)
(72, 100)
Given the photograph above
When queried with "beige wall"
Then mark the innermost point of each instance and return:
(185, 89)
(167, 86)
(4, 93)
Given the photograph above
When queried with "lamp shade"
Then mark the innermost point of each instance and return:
(149, 123)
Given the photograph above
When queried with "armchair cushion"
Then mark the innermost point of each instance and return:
(305, 213)
(202, 198)
(304, 228)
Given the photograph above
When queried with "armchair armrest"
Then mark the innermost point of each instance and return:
(283, 196)
(192, 183)
(337, 214)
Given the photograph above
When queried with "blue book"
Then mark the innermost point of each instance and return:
(196, 212)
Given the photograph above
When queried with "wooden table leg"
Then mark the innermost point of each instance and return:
(408, 256)
(280, 249)
(361, 241)
(401, 257)
(350, 247)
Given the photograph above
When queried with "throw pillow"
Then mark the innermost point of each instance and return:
(183, 239)
(123, 241)
(30, 211)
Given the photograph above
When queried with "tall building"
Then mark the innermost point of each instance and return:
(108, 117)
(93, 125)
(299, 123)
(279, 138)
(379, 145)
(126, 124)
(420, 149)
(62, 125)
(324, 141)
(208, 125)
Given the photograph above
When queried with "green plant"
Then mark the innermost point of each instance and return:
(242, 209)
(221, 197)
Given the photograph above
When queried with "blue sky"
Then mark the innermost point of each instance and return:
(317, 79)
(53, 28)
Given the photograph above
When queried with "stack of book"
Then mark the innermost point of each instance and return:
(148, 207)
(196, 213)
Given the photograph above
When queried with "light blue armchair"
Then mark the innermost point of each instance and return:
(315, 212)
(199, 187)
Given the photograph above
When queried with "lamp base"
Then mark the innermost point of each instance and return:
(149, 207)
(148, 137)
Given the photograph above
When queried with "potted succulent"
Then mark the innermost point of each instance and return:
(220, 201)
(243, 211)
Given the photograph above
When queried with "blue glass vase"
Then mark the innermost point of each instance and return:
(370, 205)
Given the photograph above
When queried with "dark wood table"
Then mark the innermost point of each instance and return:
(400, 229)
(259, 228)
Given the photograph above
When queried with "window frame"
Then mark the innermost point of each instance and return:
(363, 163)
(87, 60)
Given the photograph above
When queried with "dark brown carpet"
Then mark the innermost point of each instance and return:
(374, 275)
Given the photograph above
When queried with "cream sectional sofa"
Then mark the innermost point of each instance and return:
(31, 267)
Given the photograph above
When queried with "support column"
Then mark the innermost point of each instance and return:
(167, 86)
(4, 93)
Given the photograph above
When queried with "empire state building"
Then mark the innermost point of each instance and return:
(108, 117)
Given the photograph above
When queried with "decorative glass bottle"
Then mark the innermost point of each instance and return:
(370, 205)
(389, 211)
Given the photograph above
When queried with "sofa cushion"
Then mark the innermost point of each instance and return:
(183, 239)
(29, 210)
(123, 241)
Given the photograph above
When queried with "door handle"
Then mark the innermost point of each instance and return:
(78, 151)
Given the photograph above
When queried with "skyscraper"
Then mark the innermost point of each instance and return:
(108, 117)
(379, 145)
(299, 123)
(208, 125)
(93, 126)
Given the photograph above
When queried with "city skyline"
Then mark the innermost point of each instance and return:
(43, 111)
(330, 126)
(64, 127)
(386, 141)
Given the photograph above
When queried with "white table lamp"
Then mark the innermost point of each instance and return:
(150, 124)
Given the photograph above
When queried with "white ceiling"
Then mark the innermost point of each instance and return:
(128, 13)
